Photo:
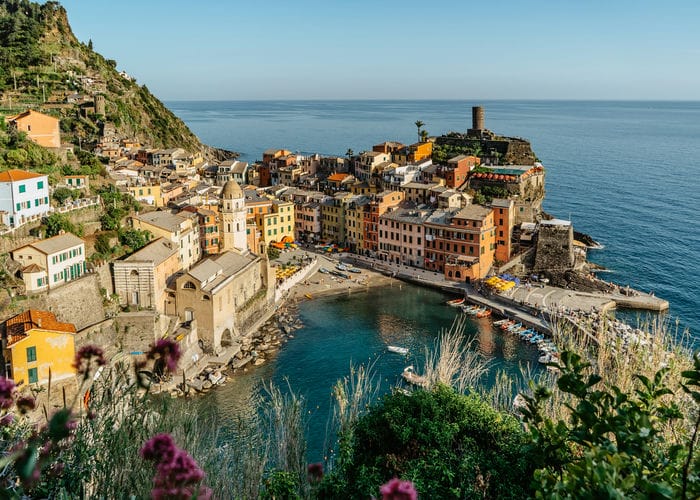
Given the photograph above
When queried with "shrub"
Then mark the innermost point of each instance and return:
(448, 444)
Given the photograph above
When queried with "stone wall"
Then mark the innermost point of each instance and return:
(78, 302)
(555, 248)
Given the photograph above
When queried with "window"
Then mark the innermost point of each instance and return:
(31, 354)
(40, 185)
(33, 376)
(19, 207)
(189, 286)
(22, 188)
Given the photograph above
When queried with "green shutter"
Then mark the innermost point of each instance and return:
(33, 376)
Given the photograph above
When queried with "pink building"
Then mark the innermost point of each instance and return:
(401, 235)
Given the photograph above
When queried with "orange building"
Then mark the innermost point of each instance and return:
(378, 205)
(414, 153)
(40, 128)
(461, 242)
(504, 217)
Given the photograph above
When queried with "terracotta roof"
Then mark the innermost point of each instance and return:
(18, 326)
(32, 268)
(15, 175)
(337, 177)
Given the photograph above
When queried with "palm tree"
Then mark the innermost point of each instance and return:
(424, 135)
(419, 125)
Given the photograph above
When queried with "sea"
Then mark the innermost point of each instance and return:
(623, 172)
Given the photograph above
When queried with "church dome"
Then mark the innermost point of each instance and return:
(232, 190)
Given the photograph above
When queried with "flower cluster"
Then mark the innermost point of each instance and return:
(177, 474)
(168, 351)
(398, 490)
(85, 357)
(314, 472)
(7, 390)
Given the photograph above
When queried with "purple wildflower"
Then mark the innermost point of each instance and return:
(177, 474)
(7, 419)
(398, 490)
(168, 351)
(85, 356)
(315, 472)
(25, 404)
(7, 389)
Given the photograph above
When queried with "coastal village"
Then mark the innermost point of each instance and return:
(228, 245)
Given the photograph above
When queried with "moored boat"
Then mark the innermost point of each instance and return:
(413, 378)
(398, 350)
(483, 313)
(455, 302)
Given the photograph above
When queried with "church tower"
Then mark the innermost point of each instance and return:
(233, 215)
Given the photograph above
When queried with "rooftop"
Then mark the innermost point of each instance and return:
(157, 252)
(18, 326)
(164, 220)
(55, 244)
(16, 175)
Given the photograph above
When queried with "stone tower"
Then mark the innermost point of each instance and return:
(100, 104)
(233, 215)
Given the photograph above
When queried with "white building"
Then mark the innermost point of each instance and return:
(23, 196)
(51, 262)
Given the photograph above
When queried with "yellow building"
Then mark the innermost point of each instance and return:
(277, 223)
(149, 194)
(40, 128)
(34, 343)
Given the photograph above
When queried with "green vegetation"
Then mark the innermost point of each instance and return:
(134, 239)
(449, 445)
(117, 205)
(442, 153)
(55, 223)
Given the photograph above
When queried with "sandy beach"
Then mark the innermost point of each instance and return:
(318, 284)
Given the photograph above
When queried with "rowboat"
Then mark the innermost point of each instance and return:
(398, 350)
(483, 313)
(455, 302)
(308, 296)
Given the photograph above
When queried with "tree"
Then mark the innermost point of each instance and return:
(448, 444)
(134, 238)
(419, 126)
(424, 135)
(55, 223)
(102, 244)
(61, 194)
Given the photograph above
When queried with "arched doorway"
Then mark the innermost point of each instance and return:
(226, 338)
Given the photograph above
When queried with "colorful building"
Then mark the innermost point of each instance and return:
(180, 228)
(401, 239)
(504, 217)
(34, 344)
(461, 242)
(77, 181)
(40, 128)
(24, 196)
(355, 222)
(51, 262)
(277, 224)
(379, 203)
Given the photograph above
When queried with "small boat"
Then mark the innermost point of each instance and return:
(323, 270)
(355, 270)
(483, 313)
(474, 310)
(308, 296)
(507, 324)
(342, 267)
(413, 378)
(455, 302)
(500, 322)
(536, 338)
(514, 327)
(340, 274)
(398, 350)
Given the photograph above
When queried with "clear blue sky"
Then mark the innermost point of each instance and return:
(404, 49)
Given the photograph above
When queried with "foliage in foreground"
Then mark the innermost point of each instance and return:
(448, 444)
(613, 444)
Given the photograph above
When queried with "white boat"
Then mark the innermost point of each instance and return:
(398, 350)
(455, 302)
(413, 378)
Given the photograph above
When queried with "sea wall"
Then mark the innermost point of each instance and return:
(287, 284)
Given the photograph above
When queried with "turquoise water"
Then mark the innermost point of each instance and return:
(356, 329)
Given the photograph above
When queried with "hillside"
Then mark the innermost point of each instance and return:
(43, 66)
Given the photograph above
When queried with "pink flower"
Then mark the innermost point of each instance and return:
(7, 389)
(177, 474)
(85, 356)
(168, 351)
(398, 490)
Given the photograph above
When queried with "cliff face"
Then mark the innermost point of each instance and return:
(46, 68)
